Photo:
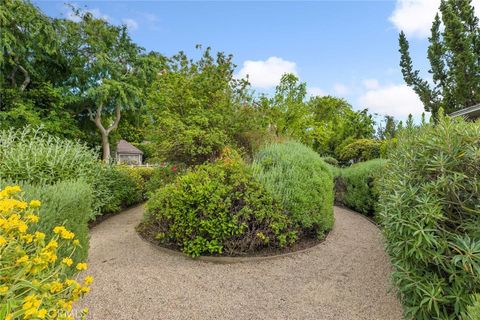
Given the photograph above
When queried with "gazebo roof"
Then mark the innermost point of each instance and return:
(124, 147)
(472, 112)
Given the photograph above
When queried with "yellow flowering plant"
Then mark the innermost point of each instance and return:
(34, 282)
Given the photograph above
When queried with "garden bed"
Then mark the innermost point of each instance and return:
(301, 245)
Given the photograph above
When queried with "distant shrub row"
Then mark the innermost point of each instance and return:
(356, 187)
(228, 207)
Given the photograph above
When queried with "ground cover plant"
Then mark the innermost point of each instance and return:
(35, 275)
(429, 209)
(301, 181)
(217, 208)
(356, 187)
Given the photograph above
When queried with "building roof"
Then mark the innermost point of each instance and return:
(124, 147)
(472, 112)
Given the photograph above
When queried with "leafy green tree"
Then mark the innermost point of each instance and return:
(28, 36)
(335, 124)
(109, 73)
(288, 111)
(194, 107)
(454, 55)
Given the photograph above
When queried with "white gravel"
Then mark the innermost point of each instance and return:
(345, 277)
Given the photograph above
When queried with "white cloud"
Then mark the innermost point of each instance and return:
(415, 17)
(395, 100)
(371, 84)
(315, 91)
(341, 89)
(266, 73)
(130, 23)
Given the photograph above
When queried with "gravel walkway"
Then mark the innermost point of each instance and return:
(344, 278)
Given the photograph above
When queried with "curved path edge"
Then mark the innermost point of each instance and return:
(345, 277)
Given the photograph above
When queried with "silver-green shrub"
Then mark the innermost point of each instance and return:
(430, 213)
(301, 181)
(36, 157)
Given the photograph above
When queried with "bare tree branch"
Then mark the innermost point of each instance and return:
(117, 119)
(26, 81)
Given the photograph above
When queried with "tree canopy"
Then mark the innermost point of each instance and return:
(454, 55)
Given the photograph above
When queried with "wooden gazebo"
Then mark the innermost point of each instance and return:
(128, 154)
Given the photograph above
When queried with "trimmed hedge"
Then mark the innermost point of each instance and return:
(356, 186)
(430, 214)
(218, 208)
(301, 181)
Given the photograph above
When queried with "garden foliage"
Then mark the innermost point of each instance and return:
(301, 181)
(217, 208)
(360, 150)
(66, 203)
(430, 213)
(34, 272)
(356, 187)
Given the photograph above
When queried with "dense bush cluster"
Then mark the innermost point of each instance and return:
(226, 207)
(430, 213)
(301, 181)
(217, 208)
(361, 150)
(35, 269)
(356, 187)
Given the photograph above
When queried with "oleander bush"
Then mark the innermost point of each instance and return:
(35, 282)
(300, 181)
(217, 208)
(356, 187)
(429, 209)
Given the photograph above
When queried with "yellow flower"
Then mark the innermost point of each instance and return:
(39, 235)
(3, 289)
(58, 229)
(31, 218)
(82, 266)
(35, 203)
(56, 287)
(28, 238)
(9, 317)
(67, 261)
(76, 242)
(88, 280)
(23, 259)
(41, 313)
(2, 241)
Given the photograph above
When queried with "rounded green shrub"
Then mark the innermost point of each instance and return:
(331, 161)
(301, 181)
(361, 150)
(356, 187)
(217, 208)
(430, 213)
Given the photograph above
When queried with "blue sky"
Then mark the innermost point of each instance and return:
(344, 48)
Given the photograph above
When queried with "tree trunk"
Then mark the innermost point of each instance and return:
(105, 146)
(105, 132)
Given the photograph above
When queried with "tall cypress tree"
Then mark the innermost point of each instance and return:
(454, 56)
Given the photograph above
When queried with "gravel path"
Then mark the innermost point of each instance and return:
(344, 278)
